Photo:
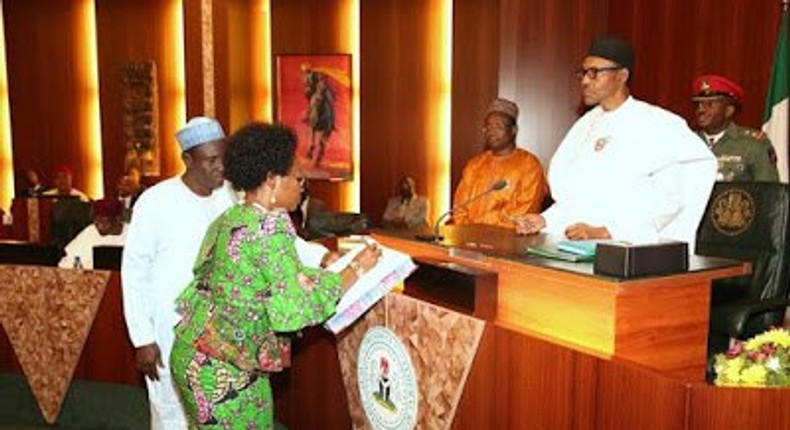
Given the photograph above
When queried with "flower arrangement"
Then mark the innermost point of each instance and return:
(761, 361)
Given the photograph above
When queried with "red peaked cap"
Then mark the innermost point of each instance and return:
(108, 207)
(62, 168)
(707, 87)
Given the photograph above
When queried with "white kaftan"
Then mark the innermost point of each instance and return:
(638, 170)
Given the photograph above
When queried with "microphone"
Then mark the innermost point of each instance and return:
(436, 237)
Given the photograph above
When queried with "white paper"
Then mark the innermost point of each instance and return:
(392, 268)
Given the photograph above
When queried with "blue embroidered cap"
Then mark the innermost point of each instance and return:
(199, 130)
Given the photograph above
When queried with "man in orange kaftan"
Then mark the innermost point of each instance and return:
(502, 161)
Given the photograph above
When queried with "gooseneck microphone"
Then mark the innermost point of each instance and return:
(436, 237)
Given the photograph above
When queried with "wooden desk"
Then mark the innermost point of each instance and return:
(567, 304)
(525, 376)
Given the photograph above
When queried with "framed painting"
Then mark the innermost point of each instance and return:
(314, 98)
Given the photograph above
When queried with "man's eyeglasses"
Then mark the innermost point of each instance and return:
(495, 127)
(592, 72)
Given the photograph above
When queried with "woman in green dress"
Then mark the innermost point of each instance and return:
(250, 290)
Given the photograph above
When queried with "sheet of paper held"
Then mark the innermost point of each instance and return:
(393, 268)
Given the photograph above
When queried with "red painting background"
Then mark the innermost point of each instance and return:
(292, 105)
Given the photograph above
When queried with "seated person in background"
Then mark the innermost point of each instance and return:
(32, 184)
(108, 228)
(313, 220)
(406, 209)
(5, 222)
(63, 177)
(502, 161)
(129, 189)
(307, 207)
(743, 154)
(626, 170)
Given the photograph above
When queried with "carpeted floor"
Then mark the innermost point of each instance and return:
(88, 406)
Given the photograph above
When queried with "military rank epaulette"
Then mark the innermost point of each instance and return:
(754, 134)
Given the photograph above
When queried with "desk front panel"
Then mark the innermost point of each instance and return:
(660, 322)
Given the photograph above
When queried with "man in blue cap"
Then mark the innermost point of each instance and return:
(164, 238)
(626, 170)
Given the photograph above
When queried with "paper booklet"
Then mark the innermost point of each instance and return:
(392, 269)
(570, 250)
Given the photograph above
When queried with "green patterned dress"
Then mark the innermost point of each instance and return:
(249, 292)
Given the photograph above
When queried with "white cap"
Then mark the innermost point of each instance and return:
(199, 130)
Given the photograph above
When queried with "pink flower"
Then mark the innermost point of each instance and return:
(236, 238)
(768, 349)
(756, 356)
(735, 350)
(205, 407)
(269, 225)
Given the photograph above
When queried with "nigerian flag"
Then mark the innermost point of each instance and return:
(775, 118)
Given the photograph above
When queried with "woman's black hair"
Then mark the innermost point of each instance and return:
(257, 150)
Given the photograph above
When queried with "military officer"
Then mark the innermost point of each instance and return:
(744, 154)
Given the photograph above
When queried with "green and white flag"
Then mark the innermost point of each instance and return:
(775, 118)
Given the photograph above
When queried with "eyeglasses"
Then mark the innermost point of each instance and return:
(495, 127)
(592, 72)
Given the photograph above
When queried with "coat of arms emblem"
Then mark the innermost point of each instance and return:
(733, 212)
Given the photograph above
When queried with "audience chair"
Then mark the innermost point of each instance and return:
(69, 217)
(748, 221)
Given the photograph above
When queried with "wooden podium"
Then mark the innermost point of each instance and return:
(563, 349)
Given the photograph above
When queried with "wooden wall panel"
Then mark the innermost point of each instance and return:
(541, 45)
(45, 91)
(676, 40)
(524, 49)
(309, 27)
(395, 110)
(239, 89)
(134, 30)
(476, 33)
(193, 63)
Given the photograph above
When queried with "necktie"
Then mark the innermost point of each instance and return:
(711, 142)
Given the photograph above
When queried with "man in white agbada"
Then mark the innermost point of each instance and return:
(626, 170)
(164, 237)
(107, 228)
(169, 222)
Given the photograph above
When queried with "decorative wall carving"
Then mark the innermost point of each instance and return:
(141, 117)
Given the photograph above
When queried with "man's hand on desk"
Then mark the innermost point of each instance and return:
(582, 231)
(529, 223)
(149, 358)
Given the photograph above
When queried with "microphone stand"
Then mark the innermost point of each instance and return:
(436, 237)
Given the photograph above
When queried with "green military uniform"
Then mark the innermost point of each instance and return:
(745, 154)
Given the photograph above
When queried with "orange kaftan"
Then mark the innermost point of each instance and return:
(524, 194)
